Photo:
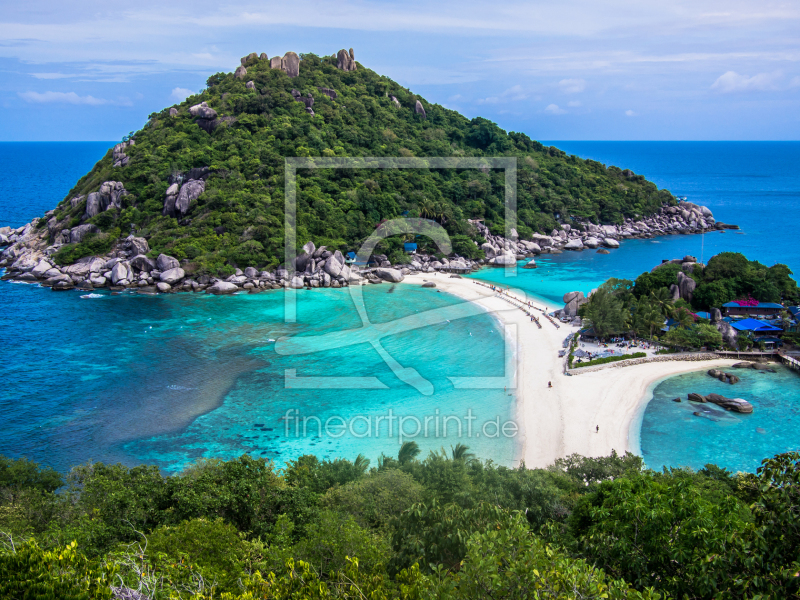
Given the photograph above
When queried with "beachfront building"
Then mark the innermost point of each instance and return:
(761, 331)
(752, 308)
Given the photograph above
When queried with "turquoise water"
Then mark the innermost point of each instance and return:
(676, 437)
(168, 379)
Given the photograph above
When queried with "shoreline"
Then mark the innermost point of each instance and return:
(562, 420)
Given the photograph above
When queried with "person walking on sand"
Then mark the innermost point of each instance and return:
(598, 429)
(549, 384)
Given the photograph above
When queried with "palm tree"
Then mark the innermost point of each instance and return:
(663, 298)
(361, 463)
(460, 452)
(684, 318)
(426, 208)
(408, 451)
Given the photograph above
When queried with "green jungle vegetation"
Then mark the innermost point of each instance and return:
(444, 526)
(621, 306)
(239, 219)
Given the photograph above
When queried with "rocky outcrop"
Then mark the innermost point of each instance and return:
(531, 264)
(420, 110)
(572, 301)
(330, 93)
(173, 112)
(289, 64)
(391, 275)
(249, 59)
(395, 100)
(77, 234)
(178, 200)
(346, 61)
(109, 196)
(172, 276)
(250, 85)
(308, 99)
(240, 73)
(686, 285)
(203, 111)
(118, 156)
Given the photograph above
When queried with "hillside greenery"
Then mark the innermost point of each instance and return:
(443, 526)
(239, 220)
(621, 306)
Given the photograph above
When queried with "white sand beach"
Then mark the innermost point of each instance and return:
(562, 420)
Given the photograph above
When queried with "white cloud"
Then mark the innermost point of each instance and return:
(572, 86)
(51, 75)
(61, 97)
(630, 113)
(512, 94)
(554, 109)
(180, 94)
(455, 98)
(733, 82)
(574, 103)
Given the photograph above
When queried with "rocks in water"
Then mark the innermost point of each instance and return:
(165, 263)
(173, 112)
(222, 287)
(333, 266)
(610, 243)
(420, 110)
(203, 111)
(531, 264)
(250, 85)
(723, 377)
(346, 61)
(163, 287)
(575, 244)
(735, 404)
(676, 399)
(391, 275)
(240, 73)
(109, 196)
(502, 261)
(591, 243)
(142, 263)
(754, 365)
(603, 251)
(330, 93)
(296, 282)
(429, 284)
(172, 276)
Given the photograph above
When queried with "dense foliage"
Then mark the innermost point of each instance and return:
(239, 220)
(446, 526)
(621, 306)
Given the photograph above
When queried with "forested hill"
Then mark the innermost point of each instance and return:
(236, 145)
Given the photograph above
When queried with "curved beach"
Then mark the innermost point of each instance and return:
(564, 419)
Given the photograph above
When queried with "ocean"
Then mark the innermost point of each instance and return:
(169, 379)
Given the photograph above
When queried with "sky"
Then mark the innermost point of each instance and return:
(567, 70)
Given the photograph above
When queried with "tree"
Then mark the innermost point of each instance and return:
(696, 336)
(605, 313)
(461, 452)
(408, 452)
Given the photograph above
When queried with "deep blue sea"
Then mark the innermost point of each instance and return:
(169, 379)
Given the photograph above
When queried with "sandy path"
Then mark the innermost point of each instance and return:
(563, 420)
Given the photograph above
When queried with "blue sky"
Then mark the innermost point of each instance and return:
(613, 70)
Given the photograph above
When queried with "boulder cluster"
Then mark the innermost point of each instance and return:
(735, 404)
(723, 376)
(346, 61)
(118, 156)
(129, 267)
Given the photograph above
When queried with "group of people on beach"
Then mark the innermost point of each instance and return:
(525, 306)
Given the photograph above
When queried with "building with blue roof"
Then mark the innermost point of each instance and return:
(758, 309)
